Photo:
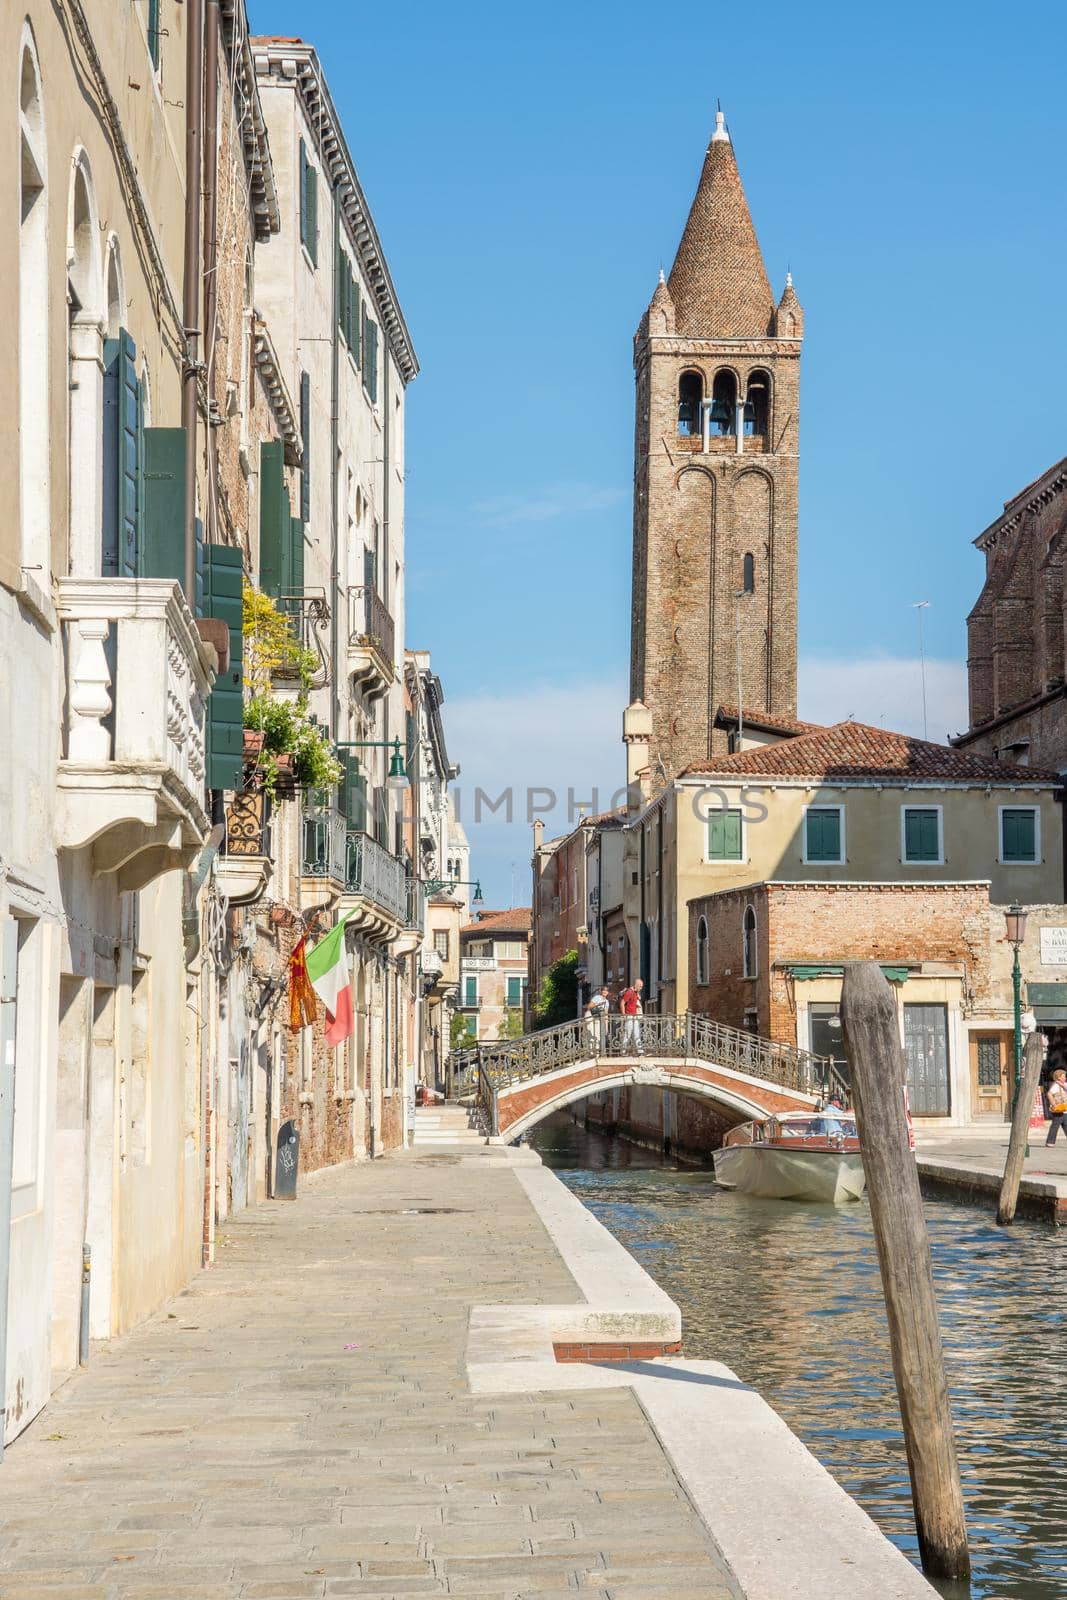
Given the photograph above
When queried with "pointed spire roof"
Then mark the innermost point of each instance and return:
(718, 282)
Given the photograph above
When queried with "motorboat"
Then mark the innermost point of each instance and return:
(799, 1155)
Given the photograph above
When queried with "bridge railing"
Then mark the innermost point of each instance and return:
(497, 1064)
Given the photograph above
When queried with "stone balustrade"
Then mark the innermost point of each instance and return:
(132, 768)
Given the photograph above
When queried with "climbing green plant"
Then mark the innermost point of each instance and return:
(557, 998)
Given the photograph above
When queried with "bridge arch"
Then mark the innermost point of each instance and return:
(520, 1106)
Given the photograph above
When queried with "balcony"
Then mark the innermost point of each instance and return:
(414, 918)
(371, 643)
(244, 867)
(131, 775)
(325, 849)
(374, 885)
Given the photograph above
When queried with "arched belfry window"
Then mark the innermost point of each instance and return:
(758, 403)
(702, 951)
(748, 574)
(690, 395)
(749, 943)
(724, 404)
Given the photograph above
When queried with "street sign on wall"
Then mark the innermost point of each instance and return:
(1054, 947)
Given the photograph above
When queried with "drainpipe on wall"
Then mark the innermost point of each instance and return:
(211, 216)
(194, 106)
(339, 593)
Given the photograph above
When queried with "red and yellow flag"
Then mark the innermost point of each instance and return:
(302, 1007)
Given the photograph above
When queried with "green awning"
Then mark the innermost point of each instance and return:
(805, 971)
(1048, 1002)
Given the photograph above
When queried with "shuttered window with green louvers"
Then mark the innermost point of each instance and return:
(309, 205)
(305, 447)
(295, 584)
(163, 490)
(275, 533)
(354, 308)
(122, 449)
(223, 572)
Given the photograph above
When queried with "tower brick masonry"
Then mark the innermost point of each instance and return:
(717, 368)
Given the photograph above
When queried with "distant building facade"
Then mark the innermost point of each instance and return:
(494, 964)
(1016, 636)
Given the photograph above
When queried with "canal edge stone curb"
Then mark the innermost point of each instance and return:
(754, 1485)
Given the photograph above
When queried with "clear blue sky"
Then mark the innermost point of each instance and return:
(529, 171)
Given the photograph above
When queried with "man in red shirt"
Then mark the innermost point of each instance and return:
(632, 1009)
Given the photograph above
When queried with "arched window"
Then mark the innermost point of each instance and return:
(749, 943)
(34, 441)
(690, 395)
(702, 950)
(748, 574)
(724, 404)
(758, 403)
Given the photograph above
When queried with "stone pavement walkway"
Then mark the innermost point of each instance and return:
(298, 1424)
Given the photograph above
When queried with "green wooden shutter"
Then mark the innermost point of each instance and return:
(920, 835)
(274, 532)
(823, 835)
(296, 555)
(1018, 836)
(305, 435)
(313, 213)
(123, 452)
(724, 836)
(303, 194)
(153, 31)
(163, 542)
(225, 708)
(354, 308)
(370, 359)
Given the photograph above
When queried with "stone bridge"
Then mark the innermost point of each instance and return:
(518, 1082)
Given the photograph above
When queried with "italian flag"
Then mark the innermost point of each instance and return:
(327, 967)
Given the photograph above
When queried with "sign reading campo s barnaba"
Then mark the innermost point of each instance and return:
(1054, 947)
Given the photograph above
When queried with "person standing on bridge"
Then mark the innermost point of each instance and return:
(632, 1011)
(595, 1017)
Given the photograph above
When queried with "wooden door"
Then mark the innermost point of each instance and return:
(991, 1059)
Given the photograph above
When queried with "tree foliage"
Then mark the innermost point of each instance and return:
(557, 999)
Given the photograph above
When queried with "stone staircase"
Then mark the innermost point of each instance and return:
(447, 1124)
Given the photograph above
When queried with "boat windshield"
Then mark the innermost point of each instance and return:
(821, 1127)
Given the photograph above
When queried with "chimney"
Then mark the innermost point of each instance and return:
(637, 737)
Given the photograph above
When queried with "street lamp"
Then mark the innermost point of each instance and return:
(435, 885)
(1015, 925)
(397, 778)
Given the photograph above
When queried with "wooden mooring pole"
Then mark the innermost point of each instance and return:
(1033, 1057)
(876, 1063)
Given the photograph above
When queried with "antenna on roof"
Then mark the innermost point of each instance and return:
(920, 606)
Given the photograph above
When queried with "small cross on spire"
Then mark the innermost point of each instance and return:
(720, 136)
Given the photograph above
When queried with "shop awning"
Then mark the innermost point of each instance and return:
(806, 970)
(1048, 1002)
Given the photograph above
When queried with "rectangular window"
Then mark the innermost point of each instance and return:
(724, 836)
(370, 357)
(440, 943)
(154, 32)
(515, 988)
(309, 206)
(922, 833)
(470, 991)
(1019, 834)
(822, 834)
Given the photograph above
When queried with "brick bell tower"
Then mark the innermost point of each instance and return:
(717, 369)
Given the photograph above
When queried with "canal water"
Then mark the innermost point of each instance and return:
(789, 1296)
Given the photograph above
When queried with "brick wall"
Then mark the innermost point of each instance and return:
(946, 923)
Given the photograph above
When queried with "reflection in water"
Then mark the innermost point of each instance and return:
(789, 1296)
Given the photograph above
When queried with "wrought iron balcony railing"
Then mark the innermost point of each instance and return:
(325, 846)
(379, 877)
(371, 634)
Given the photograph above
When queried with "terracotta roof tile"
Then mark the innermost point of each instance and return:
(517, 920)
(726, 716)
(854, 750)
